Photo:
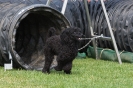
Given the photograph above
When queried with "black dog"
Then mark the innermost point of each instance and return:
(65, 46)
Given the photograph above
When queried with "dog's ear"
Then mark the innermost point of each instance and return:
(65, 36)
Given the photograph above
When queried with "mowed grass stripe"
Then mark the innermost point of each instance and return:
(86, 73)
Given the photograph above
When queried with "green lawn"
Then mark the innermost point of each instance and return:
(86, 73)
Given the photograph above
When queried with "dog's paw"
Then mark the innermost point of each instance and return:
(45, 72)
(67, 72)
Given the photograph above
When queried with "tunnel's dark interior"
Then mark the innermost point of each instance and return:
(31, 35)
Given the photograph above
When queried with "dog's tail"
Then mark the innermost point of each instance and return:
(51, 31)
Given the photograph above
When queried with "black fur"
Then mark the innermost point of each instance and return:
(65, 46)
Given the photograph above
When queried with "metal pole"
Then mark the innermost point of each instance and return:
(111, 33)
(88, 17)
(64, 6)
(48, 2)
(90, 27)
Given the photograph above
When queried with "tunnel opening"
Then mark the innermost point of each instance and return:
(30, 33)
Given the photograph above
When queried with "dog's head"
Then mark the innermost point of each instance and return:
(71, 34)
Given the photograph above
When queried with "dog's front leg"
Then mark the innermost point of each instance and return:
(46, 68)
(48, 61)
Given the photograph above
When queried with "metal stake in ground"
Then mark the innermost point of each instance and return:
(111, 33)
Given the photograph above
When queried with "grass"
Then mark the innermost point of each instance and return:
(86, 73)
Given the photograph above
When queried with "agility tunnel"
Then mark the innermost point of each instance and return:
(120, 14)
(23, 31)
(121, 19)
